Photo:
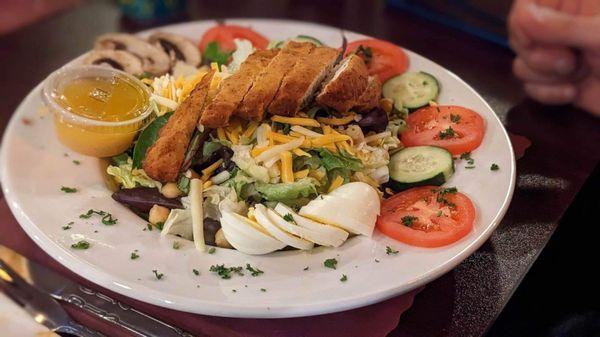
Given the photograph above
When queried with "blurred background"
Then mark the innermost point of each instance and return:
(556, 296)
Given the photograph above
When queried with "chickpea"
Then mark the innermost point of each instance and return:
(221, 241)
(170, 190)
(158, 214)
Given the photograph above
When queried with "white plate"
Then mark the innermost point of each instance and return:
(34, 167)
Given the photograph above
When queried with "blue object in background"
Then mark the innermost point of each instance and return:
(151, 10)
(484, 19)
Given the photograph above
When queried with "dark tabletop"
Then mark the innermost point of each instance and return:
(564, 150)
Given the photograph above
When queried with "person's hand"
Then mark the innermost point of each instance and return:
(558, 50)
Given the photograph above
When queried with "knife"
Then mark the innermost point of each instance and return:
(41, 306)
(95, 303)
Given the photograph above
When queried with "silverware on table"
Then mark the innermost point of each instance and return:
(45, 286)
(41, 306)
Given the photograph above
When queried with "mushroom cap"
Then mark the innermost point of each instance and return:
(154, 59)
(178, 48)
(117, 59)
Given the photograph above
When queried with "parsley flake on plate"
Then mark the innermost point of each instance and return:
(494, 167)
(134, 255)
(76, 162)
(344, 278)
(157, 274)
(330, 263)
(68, 226)
(212, 250)
(82, 244)
(253, 271)
(390, 251)
(106, 219)
(68, 189)
(196, 272)
(226, 272)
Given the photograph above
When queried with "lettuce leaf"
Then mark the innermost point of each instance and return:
(342, 160)
(129, 177)
(303, 188)
(243, 160)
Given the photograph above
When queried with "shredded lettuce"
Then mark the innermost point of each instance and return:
(302, 188)
(222, 198)
(243, 49)
(243, 160)
(332, 161)
(128, 177)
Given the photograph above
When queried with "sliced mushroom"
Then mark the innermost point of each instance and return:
(117, 59)
(154, 59)
(177, 47)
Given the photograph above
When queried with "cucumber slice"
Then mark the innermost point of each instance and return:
(275, 44)
(420, 166)
(306, 38)
(412, 90)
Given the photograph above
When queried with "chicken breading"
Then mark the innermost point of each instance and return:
(164, 158)
(370, 97)
(299, 85)
(267, 83)
(233, 89)
(347, 84)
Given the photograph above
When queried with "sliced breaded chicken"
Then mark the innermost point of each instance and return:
(299, 85)
(370, 97)
(233, 89)
(164, 158)
(267, 83)
(348, 82)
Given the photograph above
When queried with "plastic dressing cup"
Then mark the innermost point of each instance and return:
(97, 111)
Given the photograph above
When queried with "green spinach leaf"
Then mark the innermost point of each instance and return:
(147, 139)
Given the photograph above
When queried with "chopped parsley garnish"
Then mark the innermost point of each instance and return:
(159, 225)
(344, 278)
(330, 263)
(68, 226)
(134, 255)
(469, 167)
(76, 162)
(448, 133)
(157, 274)
(263, 290)
(441, 196)
(455, 118)
(366, 53)
(467, 156)
(377, 260)
(212, 250)
(390, 251)
(289, 218)
(226, 272)
(196, 272)
(107, 218)
(148, 227)
(494, 167)
(68, 189)
(305, 268)
(408, 220)
(233, 290)
(176, 245)
(253, 271)
(439, 213)
(82, 244)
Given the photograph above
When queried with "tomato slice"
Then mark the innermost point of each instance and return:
(386, 61)
(427, 216)
(225, 34)
(454, 128)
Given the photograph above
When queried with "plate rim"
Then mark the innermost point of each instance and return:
(238, 310)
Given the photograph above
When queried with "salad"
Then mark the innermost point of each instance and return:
(261, 145)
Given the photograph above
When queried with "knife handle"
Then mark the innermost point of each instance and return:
(120, 314)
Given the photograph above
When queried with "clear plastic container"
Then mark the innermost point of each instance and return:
(97, 111)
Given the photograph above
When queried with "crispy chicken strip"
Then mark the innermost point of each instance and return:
(370, 97)
(234, 88)
(347, 84)
(267, 83)
(164, 158)
(299, 85)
